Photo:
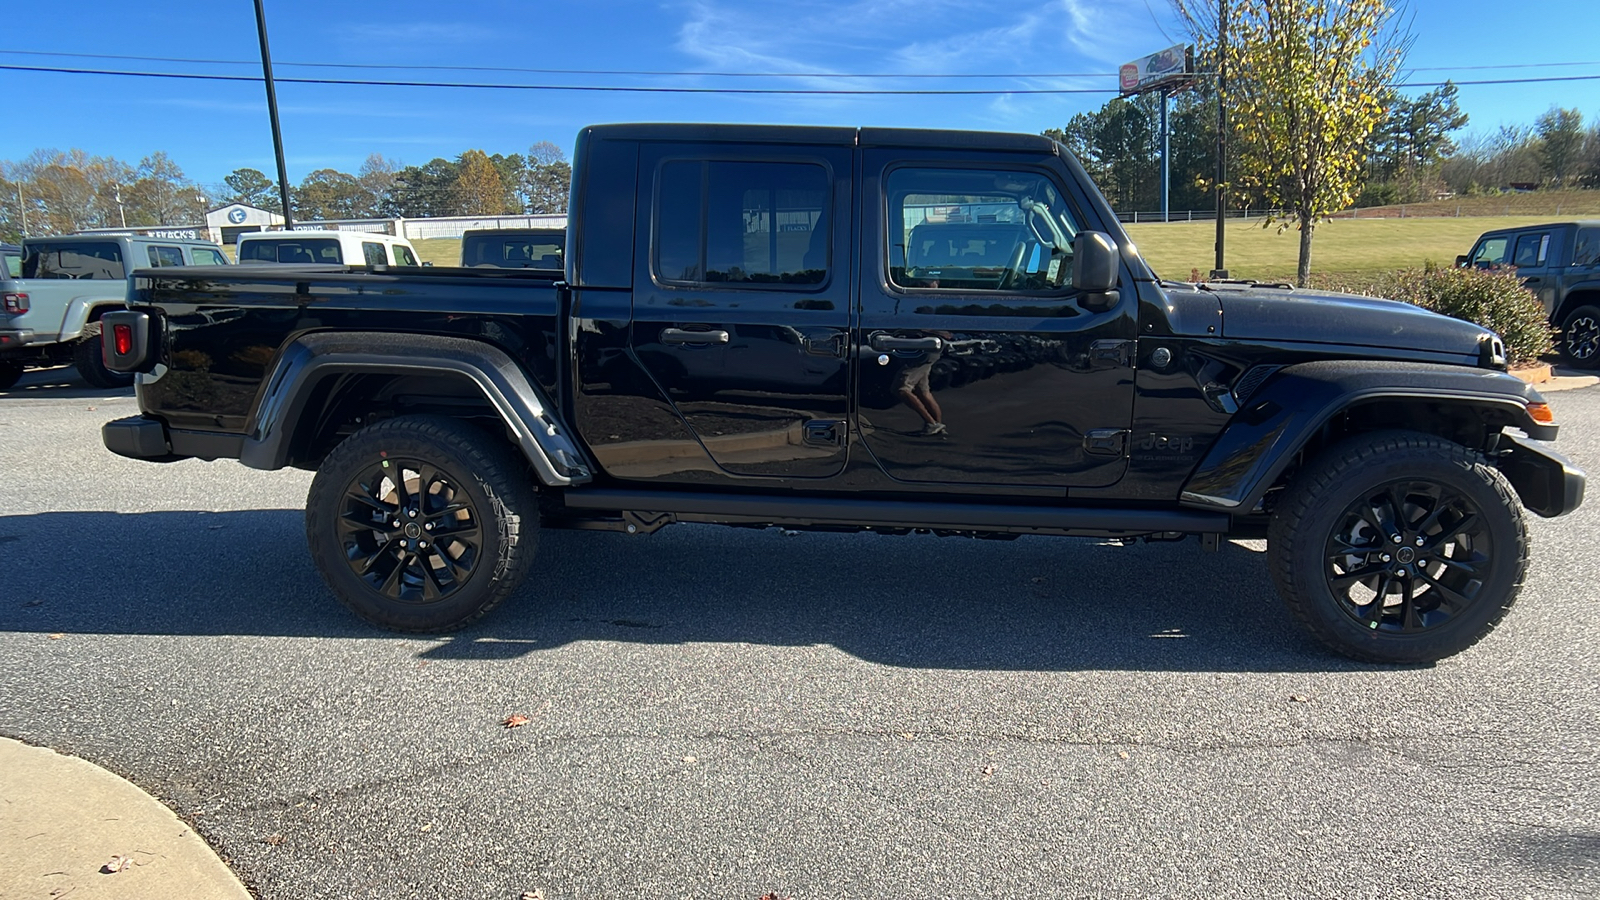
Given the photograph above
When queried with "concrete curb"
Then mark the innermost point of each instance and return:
(70, 828)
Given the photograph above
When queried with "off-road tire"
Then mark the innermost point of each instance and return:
(1580, 338)
(1305, 534)
(9, 373)
(481, 471)
(87, 358)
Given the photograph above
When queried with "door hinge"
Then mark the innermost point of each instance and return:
(1113, 351)
(1106, 442)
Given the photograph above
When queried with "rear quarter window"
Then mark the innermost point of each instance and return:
(205, 256)
(403, 255)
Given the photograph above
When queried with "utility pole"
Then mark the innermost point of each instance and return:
(1221, 270)
(272, 111)
(1166, 156)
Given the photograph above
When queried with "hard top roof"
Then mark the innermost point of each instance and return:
(101, 237)
(317, 233)
(1580, 223)
(823, 134)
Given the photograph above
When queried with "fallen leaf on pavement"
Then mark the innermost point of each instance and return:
(1299, 698)
(534, 894)
(117, 864)
(272, 840)
(57, 636)
(690, 759)
(1122, 754)
(516, 720)
(908, 735)
(986, 771)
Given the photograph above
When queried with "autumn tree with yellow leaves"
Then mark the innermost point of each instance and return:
(1305, 85)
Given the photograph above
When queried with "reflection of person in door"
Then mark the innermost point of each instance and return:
(911, 385)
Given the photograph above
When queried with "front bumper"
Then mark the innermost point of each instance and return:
(1546, 481)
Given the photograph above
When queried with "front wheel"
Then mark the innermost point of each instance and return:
(1580, 338)
(9, 373)
(1398, 547)
(421, 524)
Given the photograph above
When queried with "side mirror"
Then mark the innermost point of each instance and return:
(1462, 260)
(1095, 269)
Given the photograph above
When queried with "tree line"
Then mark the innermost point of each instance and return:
(1413, 154)
(55, 192)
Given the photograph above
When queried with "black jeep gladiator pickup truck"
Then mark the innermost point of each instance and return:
(865, 329)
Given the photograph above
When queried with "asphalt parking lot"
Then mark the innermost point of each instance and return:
(726, 713)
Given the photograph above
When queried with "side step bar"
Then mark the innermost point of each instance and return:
(737, 509)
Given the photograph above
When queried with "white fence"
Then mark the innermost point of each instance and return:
(424, 229)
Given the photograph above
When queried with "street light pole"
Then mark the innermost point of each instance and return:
(272, 111)
(1221, 270)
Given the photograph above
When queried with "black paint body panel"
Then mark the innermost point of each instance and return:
(1176, 405)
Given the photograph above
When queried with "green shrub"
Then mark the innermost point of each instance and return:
(1494, 299)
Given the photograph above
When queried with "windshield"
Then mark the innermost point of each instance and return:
(291, 250)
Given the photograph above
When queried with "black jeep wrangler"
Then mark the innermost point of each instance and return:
(870, 329)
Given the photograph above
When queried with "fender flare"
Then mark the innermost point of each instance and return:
(1286, 412)
(304, 362)
(81, 308)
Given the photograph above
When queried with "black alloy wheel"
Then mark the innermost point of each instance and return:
(1398, 547)
(1580, 338)
(1408, 556)
(422, 524)
(410, 531)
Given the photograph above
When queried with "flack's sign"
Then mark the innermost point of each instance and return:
(1171, 67)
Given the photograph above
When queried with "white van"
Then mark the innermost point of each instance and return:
(351, 248)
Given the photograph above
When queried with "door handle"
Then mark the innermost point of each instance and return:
(889, 342)
(685, 336)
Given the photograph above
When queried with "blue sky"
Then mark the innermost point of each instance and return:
(213, 127)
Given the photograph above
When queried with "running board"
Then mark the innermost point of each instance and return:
(737, 509)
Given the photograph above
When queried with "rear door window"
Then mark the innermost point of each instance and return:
(165, 256)
(372, 253)
(91, 260)
(742, 223)
(1532, 250)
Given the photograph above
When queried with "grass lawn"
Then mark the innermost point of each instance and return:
(447, 251)
(1340, 247)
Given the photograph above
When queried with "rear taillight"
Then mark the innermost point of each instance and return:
(16, 303)
(123, 336)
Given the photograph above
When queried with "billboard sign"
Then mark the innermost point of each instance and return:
(1169, 68)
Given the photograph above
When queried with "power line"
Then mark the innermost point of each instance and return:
(691, 73)
(642, 89)
(682, 73)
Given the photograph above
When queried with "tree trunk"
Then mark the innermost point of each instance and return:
(1303, 273)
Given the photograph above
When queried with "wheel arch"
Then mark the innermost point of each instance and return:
(321, 383)
(1587, 294)
(1308, 407)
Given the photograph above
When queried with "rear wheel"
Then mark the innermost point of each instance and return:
(1399, 547)
(91, 364)
(421, 523)
(1580, 338)
(9, 373)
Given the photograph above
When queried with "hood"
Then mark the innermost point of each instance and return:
(1304, 316)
